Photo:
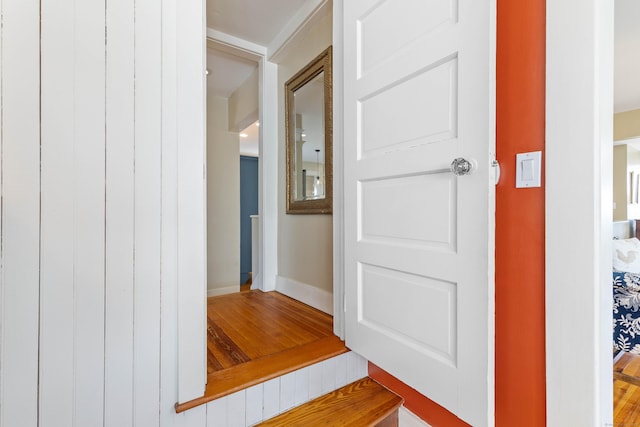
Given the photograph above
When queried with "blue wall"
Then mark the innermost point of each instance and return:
(248, 206)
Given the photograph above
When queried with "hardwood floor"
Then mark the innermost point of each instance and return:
(254, 336)
(626, 390)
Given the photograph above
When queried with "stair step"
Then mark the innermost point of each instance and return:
(362, 403)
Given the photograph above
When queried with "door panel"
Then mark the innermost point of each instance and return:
(419, 92)
(433, 117)
(430, 193)
(382, 297)
(377, 23)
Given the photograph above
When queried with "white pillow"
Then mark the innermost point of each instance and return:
(626, 255)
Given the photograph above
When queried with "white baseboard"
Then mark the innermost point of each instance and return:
(222, 290)
(303, 292)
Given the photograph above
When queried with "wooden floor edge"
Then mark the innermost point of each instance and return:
(240, 377)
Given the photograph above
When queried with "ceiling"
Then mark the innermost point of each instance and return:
(226, 72)
(259, 21)
(255, 21)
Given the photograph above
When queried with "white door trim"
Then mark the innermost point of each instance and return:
(183, 191)
(308, 12)
(269, 140)
(268, 149)
(338, 174)
(579, 133)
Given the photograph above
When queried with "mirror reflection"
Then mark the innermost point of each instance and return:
(309, 138)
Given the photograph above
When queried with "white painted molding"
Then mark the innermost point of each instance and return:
(268, 172)
(189, 115)
(338, 174)
(629, 141)
(235, 45)
(579, 80)
(303, 292)
(268, 152)
(223, 290)
(307, 14)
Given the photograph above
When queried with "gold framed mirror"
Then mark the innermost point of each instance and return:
(309, 138)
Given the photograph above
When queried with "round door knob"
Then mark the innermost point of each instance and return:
(461, 166)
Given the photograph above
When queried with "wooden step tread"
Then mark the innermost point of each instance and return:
(362, 403)
(239, 377)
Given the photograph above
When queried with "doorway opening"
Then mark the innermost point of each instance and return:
(626, 212)
(232, 111)
(255, 105)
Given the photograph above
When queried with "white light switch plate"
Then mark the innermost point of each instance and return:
(528, 167)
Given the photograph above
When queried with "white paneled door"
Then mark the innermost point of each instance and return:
(419, 92)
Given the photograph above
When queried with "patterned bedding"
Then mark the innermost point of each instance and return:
(626, 312)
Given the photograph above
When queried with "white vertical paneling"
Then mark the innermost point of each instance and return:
(57, 306)
(328, 375)
(236, 409)
(190, 129)
(254, 397)
(287, 391)
(341, 370)
(302, 386)
(196, 417)
(148, 98)
(169, 215)
(88, 205)
(271, 398)
(20, 170)
(169, 387)
(217, 414)
(315, 380)
(356, 367)
(74, 212)
(118, 387)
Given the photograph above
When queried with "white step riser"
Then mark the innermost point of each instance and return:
(273, 397)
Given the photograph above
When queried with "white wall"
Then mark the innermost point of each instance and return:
(304, 241)
(243, 103)
(97, 125)
(620, 183)
(579, 79)
(626, 125)
(223, 200)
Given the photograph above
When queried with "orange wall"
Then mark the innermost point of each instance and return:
(520, 356)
